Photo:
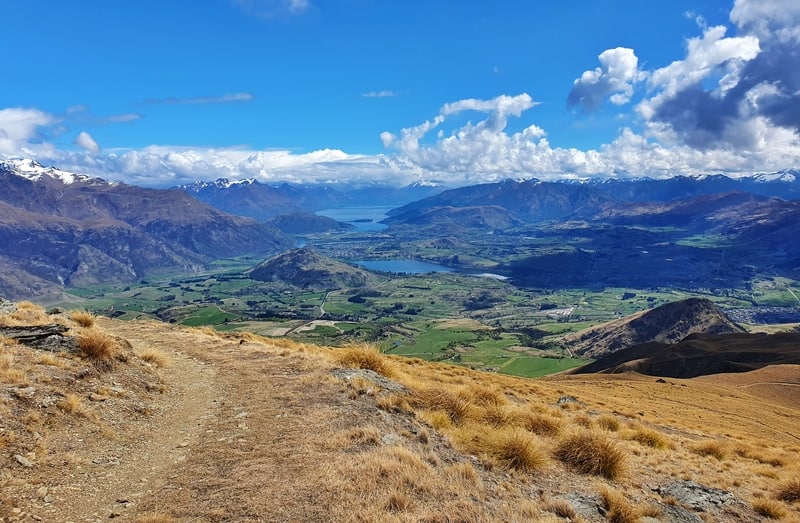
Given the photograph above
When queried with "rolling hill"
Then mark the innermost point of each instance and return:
(667, 323)
(700, 355)
(306, 268)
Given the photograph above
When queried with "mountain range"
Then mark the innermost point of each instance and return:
(60, 229)
(261, 201)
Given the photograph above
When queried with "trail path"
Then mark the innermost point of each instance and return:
(239, 435)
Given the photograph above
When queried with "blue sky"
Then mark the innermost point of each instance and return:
(159, 93)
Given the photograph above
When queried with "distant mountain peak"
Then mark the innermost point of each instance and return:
(219, 183)
(785, 176)
(33, 170)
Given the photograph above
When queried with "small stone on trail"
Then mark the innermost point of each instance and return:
(22, 460)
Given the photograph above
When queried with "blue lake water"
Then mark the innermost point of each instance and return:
(363, 218)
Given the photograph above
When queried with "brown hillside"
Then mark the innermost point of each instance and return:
(667, 323)
(701, 354)
(307, 268)
(243, 428)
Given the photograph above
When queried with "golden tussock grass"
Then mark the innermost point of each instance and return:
(713, 448)
(542, 424)
(399, 502)
(26, 313)
(648, 437)
(620, 510)
(365, 357)
(363, 436)
(769, 508)
(73, 404)
(208, 331)
(455, 406)
(397, 467)
(49, 359)
(592, 453)
(97, 346)
(789, 491)
(561, 508)
(438, 419)
(393, 403)
(512, 448)
(83, 318)
(463, 473)
(154, 356)
(9, 373)
(609, 423)
(500, 416)
(761, 456)
(487, 396)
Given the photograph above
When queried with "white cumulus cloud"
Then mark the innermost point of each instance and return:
(616, 77)
(20, 127)
(86, 141)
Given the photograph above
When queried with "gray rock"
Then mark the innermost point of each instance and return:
(370, 375)
(22, 460)
(564, 400)
(697, 497)
(45, 337)
(584, 505)
(677, 514)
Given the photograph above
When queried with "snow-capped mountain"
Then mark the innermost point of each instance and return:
(60, 229)
(32, 170)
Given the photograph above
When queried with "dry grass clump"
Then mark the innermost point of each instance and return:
(500, 416)
(49, 359)
(363, 436)
(399, 502)
(561, 508)
(789, 491)
(618, 509)
(542, 424)
(26, 313)
(713, 448)
(154, 356)
(97, 346)
(487, 396)
(365, 357)
(512, 448)
(609, 423)
(9, 374)
(208, 331)
(396, 468)
(393, 403)
(766, 458)
(463, 473)
(591, 453)
(73, 404)
(83, 318)
(454, 405)
(648, 437)
(769, 508)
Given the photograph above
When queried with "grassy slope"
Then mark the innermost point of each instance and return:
(366, 453)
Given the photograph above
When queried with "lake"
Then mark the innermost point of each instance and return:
(363, 218)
